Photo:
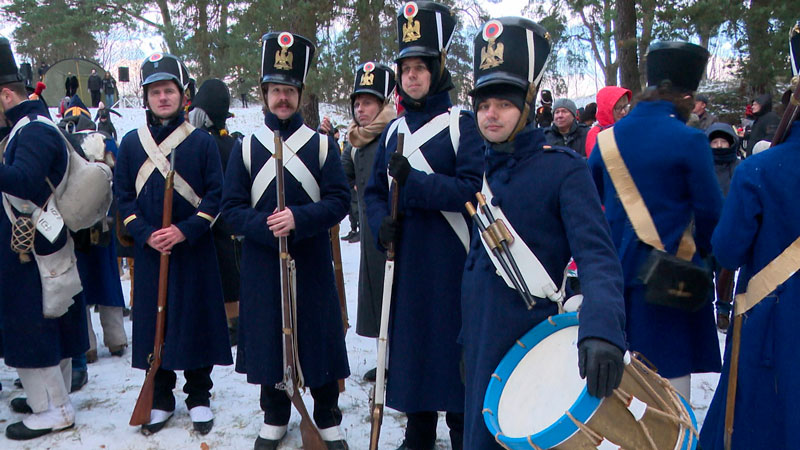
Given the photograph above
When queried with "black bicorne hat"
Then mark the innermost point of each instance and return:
(681, 63)
(375, 79)
(164, 66)
(214, 98)
(510, 50)
(9, 73)
(794, 49)
(424, 29)
(285, 58)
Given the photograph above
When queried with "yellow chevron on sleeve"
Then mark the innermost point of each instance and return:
(129, 219)
(205, 216)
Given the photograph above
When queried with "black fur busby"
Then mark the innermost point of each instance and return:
(9, 73)
(214, 98)
(681, 63)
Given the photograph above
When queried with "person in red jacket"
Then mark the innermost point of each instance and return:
(613, 103)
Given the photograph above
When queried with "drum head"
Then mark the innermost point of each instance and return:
(536, 383)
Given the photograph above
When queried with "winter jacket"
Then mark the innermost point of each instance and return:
(574, 139)
(606, 99)
(94, 83)
(725, 159)
(765, 125)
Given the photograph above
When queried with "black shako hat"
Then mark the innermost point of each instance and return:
(681, 63)
(285, 58)
(375, 79)
(9, 73)
(164, 66)
(424, 29)
(214, 98)
(510, 50)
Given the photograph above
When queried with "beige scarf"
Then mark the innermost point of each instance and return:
(360, 136)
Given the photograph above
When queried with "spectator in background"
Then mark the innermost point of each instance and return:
(109, 89)
(589, 114)
(544, 114)
(613, 103)
(766, 122)
(94, 84)
(701, 118)
(42, 69)
(724, 145)
(566, 130)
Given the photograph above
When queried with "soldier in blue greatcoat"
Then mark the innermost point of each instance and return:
(196, 336)
(672, 167)
(561, 218)
(760, 220)
(317, 198)
(439, 171)
(39, 348)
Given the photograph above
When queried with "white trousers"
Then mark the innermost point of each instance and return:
(47, 386)
(683, 385)
(111, 321)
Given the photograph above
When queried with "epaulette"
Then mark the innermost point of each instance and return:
(561, 149)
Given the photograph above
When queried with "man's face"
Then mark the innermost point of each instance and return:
(699, 107)
(497, 119)
(720, 142)
(281, 99)
(415, 78)
(164, 99)
(366, 108)
(621, 108)
(756, 107)
(94, 71)
(563, 118)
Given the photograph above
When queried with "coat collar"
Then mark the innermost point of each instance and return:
(26, 108)
(434, 105)
(286, 127)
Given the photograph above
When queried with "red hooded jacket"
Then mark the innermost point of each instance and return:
(606, 99)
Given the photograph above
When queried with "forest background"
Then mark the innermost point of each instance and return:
(604, 40)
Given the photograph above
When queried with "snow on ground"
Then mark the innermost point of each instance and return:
(104, 405)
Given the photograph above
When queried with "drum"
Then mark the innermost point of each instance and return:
(536, 399)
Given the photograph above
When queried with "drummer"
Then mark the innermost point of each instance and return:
(558, 216)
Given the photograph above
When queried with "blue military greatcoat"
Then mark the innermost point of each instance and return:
(562, 218)
(31, 341)
(196, 331)
(424, 355)
(672, 167)
(760, 219)
(320, 334)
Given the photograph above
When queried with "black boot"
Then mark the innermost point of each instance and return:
(233, 330)
(79, 379)
(20, 406)
(266, 444)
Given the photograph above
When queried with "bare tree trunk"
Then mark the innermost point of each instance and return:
(626, 45)
(648, 11)
(368, 19)
(202, 41)
(169, 28)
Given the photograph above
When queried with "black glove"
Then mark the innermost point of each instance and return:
(600, 363)
(389, 231)
(399, 168)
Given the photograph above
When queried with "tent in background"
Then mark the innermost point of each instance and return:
(56, 75)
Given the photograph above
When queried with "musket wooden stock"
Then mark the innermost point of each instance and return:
(333, 235)
(144, 404)
(379, 394)
(733, 374)
(308, 431)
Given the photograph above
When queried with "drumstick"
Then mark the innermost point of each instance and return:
(492, 243)
(488, 212)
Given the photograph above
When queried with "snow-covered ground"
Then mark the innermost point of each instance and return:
(105, 403)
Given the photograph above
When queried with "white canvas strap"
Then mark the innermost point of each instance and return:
(533, 272)
(414, 141)
(291, 162)
(158, 159)
(780, 269)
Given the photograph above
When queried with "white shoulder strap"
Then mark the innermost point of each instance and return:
(246, 152)
(292, 163)
(455, 129)
(157, 160)
(323, 149)
(536, 277)
(392, 128)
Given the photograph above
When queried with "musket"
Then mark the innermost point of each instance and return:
(733, 374)
(494, 244)
(503, 239)
(724, 287)
(336, 250)
(291, 383)
(144, 404)
(379, 396)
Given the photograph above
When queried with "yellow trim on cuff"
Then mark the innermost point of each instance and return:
(128, 219)
(205, 216)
